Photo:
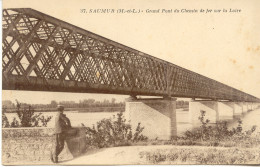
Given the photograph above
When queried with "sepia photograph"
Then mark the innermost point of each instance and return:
(119, 82)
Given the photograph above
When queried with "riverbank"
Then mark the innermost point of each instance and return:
(165, 154)
(161, 155)
(243, 151)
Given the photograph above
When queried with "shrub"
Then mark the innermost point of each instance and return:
(113, 132)
(214, 135)
(5, 122)
(27, 118)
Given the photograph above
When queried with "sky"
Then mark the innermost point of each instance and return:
(221, 46)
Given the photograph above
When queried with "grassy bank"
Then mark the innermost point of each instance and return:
(202, 155)
(169, 155)
(249, 142)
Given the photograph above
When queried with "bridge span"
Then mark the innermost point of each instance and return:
(42, 53)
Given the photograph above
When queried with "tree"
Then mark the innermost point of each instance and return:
(54, 104)
(113, 100)
(7, 104)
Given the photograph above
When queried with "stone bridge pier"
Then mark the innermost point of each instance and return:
(238, 109)
(245, 107)
(210, 108)
(255, 106)
(156, 115)
(217, 111)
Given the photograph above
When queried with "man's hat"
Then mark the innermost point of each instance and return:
(60, 107)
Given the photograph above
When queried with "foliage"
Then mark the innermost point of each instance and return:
(113, 132)
(217, 133)
(27, 118)
(85, 103)
(5, 122)
(207, 155)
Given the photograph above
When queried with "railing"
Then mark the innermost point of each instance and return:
(43, 53)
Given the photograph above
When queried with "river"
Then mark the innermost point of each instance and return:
(91, 118)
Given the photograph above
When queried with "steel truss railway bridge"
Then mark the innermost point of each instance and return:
(42, 53)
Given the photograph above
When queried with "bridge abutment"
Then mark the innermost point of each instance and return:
(157, 116)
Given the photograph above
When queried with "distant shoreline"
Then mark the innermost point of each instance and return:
(93, 109)
(87, 110)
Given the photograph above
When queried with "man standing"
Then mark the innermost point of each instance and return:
(62, 124)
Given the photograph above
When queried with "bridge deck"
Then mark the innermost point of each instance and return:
(43, 53)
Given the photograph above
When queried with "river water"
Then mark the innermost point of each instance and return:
(91, 118)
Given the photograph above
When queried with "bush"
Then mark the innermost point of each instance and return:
(113, 132)
(214, 135)
(5, 122)
(27, 118)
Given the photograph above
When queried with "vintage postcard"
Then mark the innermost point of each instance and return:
(130, 82)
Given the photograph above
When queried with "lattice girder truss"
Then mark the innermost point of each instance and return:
(46, 54)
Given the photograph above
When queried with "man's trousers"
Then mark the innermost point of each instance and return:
(59, 140)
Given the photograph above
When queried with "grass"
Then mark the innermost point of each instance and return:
(234, 141)
(202, 155)
(209, 145)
